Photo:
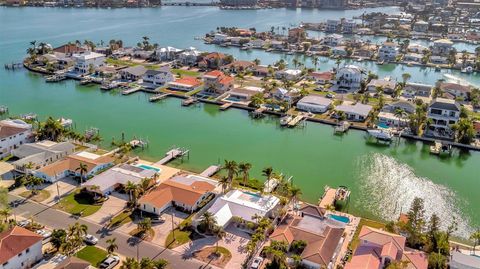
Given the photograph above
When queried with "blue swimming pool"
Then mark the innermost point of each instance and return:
(339, 218)
(144, 166)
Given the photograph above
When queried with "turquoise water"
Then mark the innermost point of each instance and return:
(339, 218)
(148, 167)
(383, 180)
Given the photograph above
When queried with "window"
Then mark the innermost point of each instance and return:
(27, 250)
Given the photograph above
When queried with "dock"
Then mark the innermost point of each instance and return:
(342, 127)
(131, 90)
(136, 143)
(225, 106)
(173, 154)
(211, 170)
(258, 113)
(296, 120)
(158, 97)
(189, 101)
(328, 198)
(3, 109)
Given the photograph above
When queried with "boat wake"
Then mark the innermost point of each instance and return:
(389, 187)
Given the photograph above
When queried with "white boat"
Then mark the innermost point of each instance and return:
(467, 70)
(441, 148)
(380, 134)
(285, 120)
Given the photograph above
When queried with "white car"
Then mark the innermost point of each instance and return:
(90, 239)
(110, 262)
(44, 233)
(23, 223)
(330, 95)
(256, 263)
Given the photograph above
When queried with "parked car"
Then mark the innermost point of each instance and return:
(16, 203)
(23, 223)
(90, 239)
(45, 233)
(110, 262)
(330, 95)
(157, 219)
(257, 262)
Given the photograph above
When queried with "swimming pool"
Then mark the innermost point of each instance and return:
(144, 166)
(339, 218)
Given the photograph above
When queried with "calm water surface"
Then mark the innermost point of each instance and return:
(384, 180)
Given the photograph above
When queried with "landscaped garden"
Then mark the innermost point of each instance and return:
(79, 203)
(217, 256)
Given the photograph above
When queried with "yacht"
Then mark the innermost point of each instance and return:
(380, 134)
(285, 120)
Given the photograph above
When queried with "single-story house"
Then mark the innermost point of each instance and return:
(413, 57)
(438, 59)
(314, 103)
(238, 66)
(455, 89)
(388, 86)
(412, 90)
(390, 119)
(356, 112)
(242, 204)
(243, 94)
(69, 166)
(40, 154)
(186, 191)
(185, 84)
(290, 74)
(321, 78)
(133, 73)
(406, 106)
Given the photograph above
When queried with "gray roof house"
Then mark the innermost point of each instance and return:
(314, 103)
(133, 73)
(356, 112)
(40, 154)
(459, 260)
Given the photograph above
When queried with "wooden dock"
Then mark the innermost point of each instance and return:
(173, 154)
(225, 106)
(342, 127)
(131, 90)
(189, 101)
(158, 97)
(211, 170)
(328, 198)
(296, 120)
(257, 113)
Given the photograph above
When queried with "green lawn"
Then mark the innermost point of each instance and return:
(75, 204)
(120, 62)
(181, 237)
(185, 72)
(120, 219)
(363, 221)
(92, 254)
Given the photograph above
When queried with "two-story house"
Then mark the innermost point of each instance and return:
(20, 248)
(86, 63)
(442, 114)
(217, 82)
(388, 51)
(159, 77)
(13, 133)
(349, 78)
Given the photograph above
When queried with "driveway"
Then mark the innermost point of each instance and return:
(115, 203)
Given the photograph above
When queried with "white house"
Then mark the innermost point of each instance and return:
(13, 133)
(349, 26)
(243, 94)
(88, 61)
(219, 38)
(290, 74)
(413, 57)
(158, 77)
(40, 154)
(442, 113)
(387, 86)
(20, 248)
(288, 96)
(242, 204)
(314, 103)
(412, 90)
(321, 78)
(420, 26)
(388, 51)
(186, 191)
(333, 40)
(357, 112)
(189, 56)
(349, 78)
(442, 46)
(167, 54)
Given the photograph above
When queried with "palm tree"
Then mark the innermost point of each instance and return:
(82, 169)
(405, 78)
(219, 233)
(5, 212)
(33, 182)
(132, 190)
(245, 168)
(208, 221)
(144, 185)
(295, 192)
(232, 168)
(130, 263)
(295, 62)
(144, 225)
(267, 172)
(224, 182)
(476, 239)
(111, 245)
(241, 77)
(400, 114)
(315, 62)
(256, 61)
(77, 230)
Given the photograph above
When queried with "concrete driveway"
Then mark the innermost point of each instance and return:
(115, 203)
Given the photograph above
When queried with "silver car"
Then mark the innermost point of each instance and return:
(90, 239)
(110, 262)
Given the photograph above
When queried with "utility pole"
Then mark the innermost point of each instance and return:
(173, 227)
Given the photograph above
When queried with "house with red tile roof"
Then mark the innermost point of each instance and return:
(322, 235)
(185, 84)
(213, 60)
(379, 248)
(19, 248)
(238, 66)
(217, 82)
(69, 49)
(321, 78)
(186, 192)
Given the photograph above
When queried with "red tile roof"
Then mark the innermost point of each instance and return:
(214, 73)
(190, 81)
(16, 240)
(69, 48)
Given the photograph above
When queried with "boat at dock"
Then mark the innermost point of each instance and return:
(258, 113)
(441, 148)
(285, 120)
(86, 81)
(380, 134)
(467, 70)
(380, 62)
(55, 78)
(342, 127)
(296, 120)
(109, 85)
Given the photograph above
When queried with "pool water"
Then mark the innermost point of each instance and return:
(148, 167)
(339, 218)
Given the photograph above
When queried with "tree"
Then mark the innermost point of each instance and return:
(245, 168)
(111, 245)
(398, 265)
(51, 129)
(405, 78)
(437, 261)
(416, 222)
(82, 169)
(232, 170)
(277, 254)
(33, 182)
(59, 237)
(464, 131)
(256, 61)
(219, 233)
(267, 172)
(295, 192)
(132, 190)
(5, 213)
(208, 221)
(144, 225)
(130, 263)
(224, 182)
(315, 62)
(476, 239)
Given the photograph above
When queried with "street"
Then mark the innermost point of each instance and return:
(127, 245)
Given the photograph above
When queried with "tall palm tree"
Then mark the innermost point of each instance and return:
(5, 213)
(144, 225)
(144, 185)
(232, 169)
(405, 78)
(476, 239)
(209, 221)
(130, 263)
(245, 168)
(33, 182)
(224, 182)
(111, 245)
(295, 192)
(77, 230)
(82, 169)
(315, 62)
(132, 190)
(267, 172)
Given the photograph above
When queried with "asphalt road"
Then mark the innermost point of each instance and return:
(127, 245)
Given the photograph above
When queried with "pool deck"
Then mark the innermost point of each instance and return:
(350, 229)
(166, 171)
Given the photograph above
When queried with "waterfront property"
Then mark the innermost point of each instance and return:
(184, 191)
(39, 154)
(185, 84)
(155, 78)
(354, 112)
(242, 204)
(443, 113)
(20, 248)
(86, 62)
(13, 133)
(133, 73)
(314, 103)
(348, 78)
(217, 82)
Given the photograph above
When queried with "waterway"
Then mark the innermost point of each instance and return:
(384, 180)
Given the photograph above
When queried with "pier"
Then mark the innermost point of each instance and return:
(173, 154)
(158, 97)
(342, 127)
(189, 101)
(300, 117)
(131, 90)
(135, 143)
(211, 170)
(258, 113)
(226, 106)
(328, 198)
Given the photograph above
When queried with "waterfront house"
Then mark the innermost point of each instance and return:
(442, 114)
(404, 105)
(189, 56)
(133, 73)
(166, 54)
(256, 43)
(85, 63)
(357, 112)
(185, 84)
(277, 45)
(143, 54)
(106, 71)
(420, 26)
(260, 70)
(314, 103)
(333, 40)
(387, 86)
(20, 248)
(321, 78)
(118, 176)
(217, 82)
(213, 60)
(68, 50)
(238, 67)
(243, 94)
(289, 96)
(219, 38)
(458, 91)
(442, 47)
(349, 78)
(13, 133)
(296, 35)
(349, 26)
(436, 59)
(390, 119)
(322, 235)
(340, 51)
(413, 90)
(388, 51)
(69, 166)
(365, 51)
(333, 26)
(289, 74)
(378, 248)
(33, 156)
(416, 48)
(242, 204)
(155, 78)
(184, 191)
(413, 57)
